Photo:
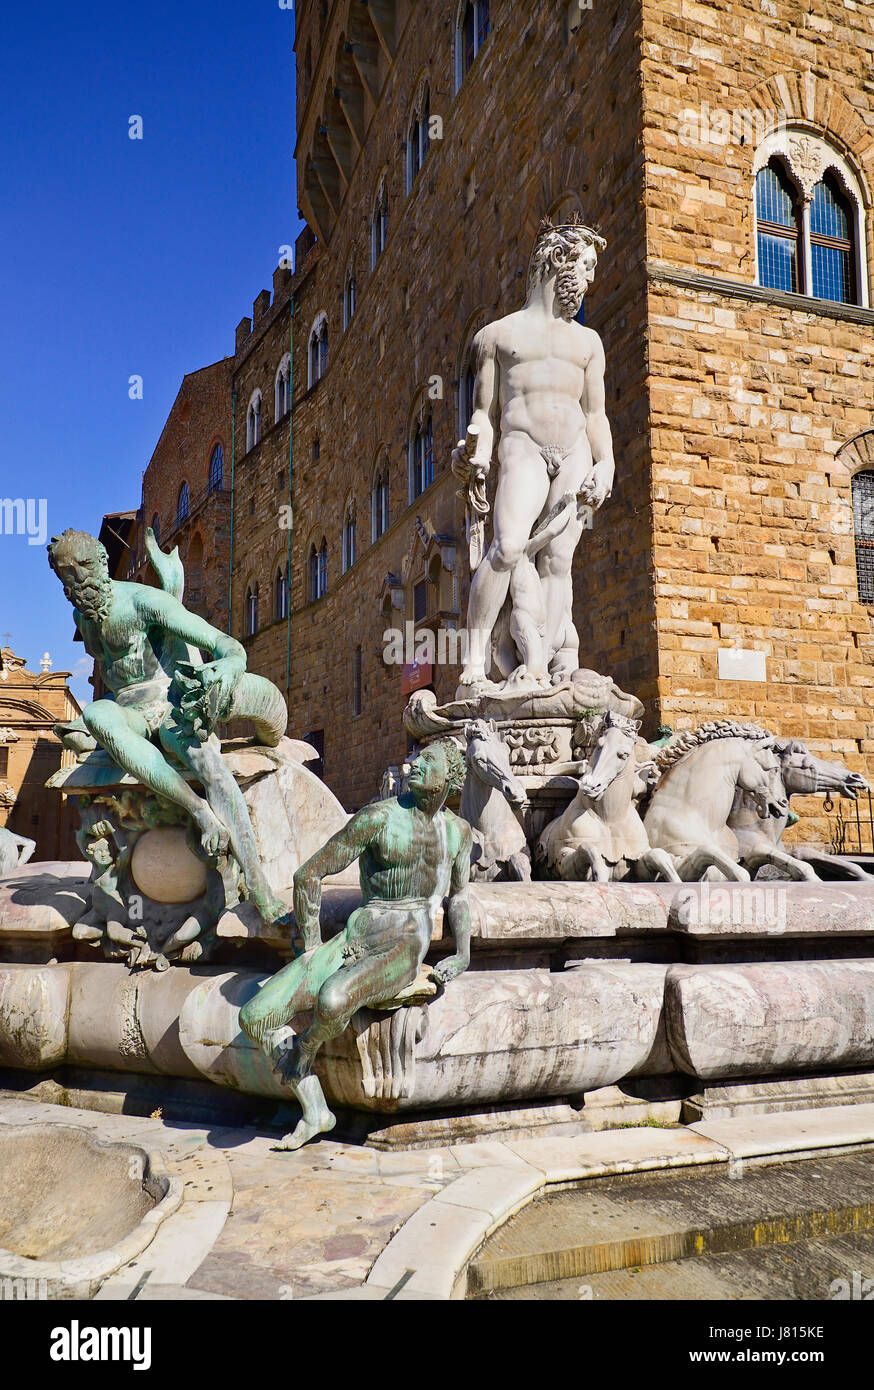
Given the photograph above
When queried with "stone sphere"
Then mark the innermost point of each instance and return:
(165, 869)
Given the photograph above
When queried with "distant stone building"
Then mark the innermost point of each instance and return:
(727, 155)
(186, 497)
(31, 702)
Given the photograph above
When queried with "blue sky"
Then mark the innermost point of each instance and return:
(122, 257)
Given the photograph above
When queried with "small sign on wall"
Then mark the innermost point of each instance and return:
(415, 675)
(740, 664)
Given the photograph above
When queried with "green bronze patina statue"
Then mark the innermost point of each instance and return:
(412, 853)
(165, 703)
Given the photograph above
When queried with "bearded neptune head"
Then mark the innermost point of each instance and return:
(569, 253)
(82, 565)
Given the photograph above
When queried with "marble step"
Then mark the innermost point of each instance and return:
(839, 1268)
(654, 1219)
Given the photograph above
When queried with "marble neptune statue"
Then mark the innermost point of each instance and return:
(539, 375)
(158, 720)
(413, 852)
(15, 851)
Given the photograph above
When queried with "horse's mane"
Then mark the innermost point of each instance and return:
(685, 743)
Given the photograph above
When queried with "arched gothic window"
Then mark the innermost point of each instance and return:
(251, 610)
(253, 421)
(422, 456)
(280, 592)
(379, 222)
(350, 294)
(379, 502)
(471, 32)
(418, 139)
(350, 538)
(318, 353)
(778, 228)
(318, 567)
(182, 505)
(863, 530)
(810, 229)
(282, 389)
(832, 254)
(216, 469)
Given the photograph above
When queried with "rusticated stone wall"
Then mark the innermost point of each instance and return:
(754, 396)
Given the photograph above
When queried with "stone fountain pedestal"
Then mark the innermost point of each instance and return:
(545, 731)
(585, 1005)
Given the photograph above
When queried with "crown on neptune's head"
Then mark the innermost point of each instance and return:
(575, 228)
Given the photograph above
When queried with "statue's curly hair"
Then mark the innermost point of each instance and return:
(456, 767)
(77, 545)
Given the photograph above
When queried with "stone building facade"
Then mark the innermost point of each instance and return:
(186, 495)
(31, 702)
(721, 577)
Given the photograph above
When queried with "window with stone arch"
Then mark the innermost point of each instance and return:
(253, 421)
(471, 31)
(809, 212)
(350, 536)
(182, 504)
(418, 135)
(421, 453)
(282, 388)
(379, 222)
(350, 297)
(379, 499)
(216, 469)
(281, 591)
(318, 350)
(251, 614)
(318, 570)
(856, 456)
(863, 532)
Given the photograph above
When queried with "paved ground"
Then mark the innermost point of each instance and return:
(258, 1224)
(338, 1221)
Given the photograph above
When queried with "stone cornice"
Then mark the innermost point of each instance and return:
(739, 289)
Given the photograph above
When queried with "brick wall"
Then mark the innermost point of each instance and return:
(199, 421)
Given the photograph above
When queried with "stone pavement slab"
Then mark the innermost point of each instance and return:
(616, 1151)
(795, 1132)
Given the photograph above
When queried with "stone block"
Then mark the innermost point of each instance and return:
(764, 1020)
(34, 1009)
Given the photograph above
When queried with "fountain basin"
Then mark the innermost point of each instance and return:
(74, 1209)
